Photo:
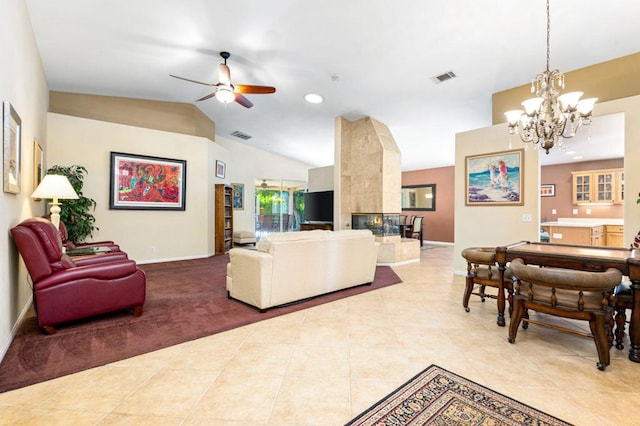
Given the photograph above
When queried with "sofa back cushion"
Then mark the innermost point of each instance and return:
(39, 243)
(264, 245)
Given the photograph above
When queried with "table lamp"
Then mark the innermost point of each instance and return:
(55, 187)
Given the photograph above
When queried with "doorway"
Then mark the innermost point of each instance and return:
(279, 205)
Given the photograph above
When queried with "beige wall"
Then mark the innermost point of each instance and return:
(495, 226)
(23, 84)
(492, 226)
(168, 116)
(146, 235)
(438, 225)
(607, 81)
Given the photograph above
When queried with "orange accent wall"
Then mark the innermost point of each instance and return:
(437, 225)
(560, 176)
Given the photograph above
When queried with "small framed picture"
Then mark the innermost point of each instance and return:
(548, 190)
(220, 169)
(238, 196)
(12, 131)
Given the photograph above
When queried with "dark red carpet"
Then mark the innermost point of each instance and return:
(186, 300)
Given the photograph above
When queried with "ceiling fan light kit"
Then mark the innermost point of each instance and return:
(226, 92)
(550, 117)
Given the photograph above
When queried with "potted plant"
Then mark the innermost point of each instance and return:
(76, 214)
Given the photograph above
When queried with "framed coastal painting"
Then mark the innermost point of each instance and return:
(495, 179)
(142, 182)
(238, 196)
(12, 133)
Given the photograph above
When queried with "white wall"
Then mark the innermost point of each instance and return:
(320, 179)
(23, 84)
(251, 163)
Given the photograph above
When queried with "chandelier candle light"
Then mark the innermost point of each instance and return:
(550, 117)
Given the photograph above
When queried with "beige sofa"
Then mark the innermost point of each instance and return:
(292, 266)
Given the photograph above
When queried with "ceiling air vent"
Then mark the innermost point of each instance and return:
(443, 77)
(241, 135)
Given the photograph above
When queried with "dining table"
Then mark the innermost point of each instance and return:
(584, 258)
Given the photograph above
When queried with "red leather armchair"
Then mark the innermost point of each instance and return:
(66, 289)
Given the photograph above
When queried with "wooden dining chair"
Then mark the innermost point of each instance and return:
(566, 293)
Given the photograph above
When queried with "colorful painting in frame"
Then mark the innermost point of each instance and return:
(142, 182)
(220, 169)
(548, 190)
(495, 179)
(238, 196)
(12, 134)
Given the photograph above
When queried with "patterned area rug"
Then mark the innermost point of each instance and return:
(438, 397)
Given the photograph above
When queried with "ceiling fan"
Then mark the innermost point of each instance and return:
(226, 92)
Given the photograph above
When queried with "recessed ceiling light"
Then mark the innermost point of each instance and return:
(313, 98)
(578, 157)
(570, 152)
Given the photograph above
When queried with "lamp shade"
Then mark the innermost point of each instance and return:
(54, 187)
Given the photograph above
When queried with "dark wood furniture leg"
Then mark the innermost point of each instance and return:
(634, 332)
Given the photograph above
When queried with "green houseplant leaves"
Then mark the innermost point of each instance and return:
(76, 214)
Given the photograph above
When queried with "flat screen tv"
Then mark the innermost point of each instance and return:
(318, 206)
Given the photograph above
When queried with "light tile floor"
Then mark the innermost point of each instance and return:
(324, 365)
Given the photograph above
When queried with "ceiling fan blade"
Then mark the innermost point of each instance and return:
(247, 88)
(209, 96)
(192, 81)
(243, 101)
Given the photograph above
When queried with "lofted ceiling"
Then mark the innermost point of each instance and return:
(365, 57)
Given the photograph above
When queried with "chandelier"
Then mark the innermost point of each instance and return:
(550, 117)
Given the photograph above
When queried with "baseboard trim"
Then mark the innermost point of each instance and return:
(172, 259)
(5, 346)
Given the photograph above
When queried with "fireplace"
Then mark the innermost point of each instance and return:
(381, 224)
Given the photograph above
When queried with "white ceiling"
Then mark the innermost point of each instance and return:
(384, 54)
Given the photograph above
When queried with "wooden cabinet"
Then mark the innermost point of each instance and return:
(580, 235)
(614, 236)
(223, 218)
(598, 186)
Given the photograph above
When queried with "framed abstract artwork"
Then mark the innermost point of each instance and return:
(12, 134)
(142, 182)
(495, 179)
(238, 196)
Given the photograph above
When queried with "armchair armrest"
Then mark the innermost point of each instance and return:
(104, 272)
(249, 277)
(94, 259)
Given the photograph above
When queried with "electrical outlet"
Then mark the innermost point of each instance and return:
(588, 211)
(152, 249)
(554, 211)
(575, 211)
(526, 217)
